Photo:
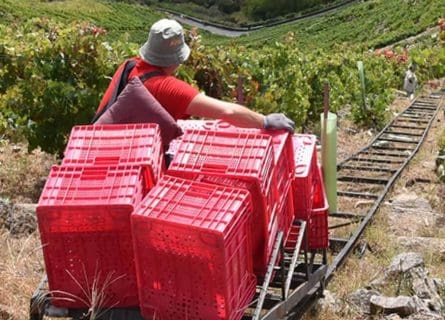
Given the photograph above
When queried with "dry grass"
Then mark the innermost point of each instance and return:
(22, 177)
(22, 174)
(21, 267)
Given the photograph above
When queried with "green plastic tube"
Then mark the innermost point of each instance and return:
(329, 158)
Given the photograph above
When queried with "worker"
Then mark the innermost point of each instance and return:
(163, 52)
(410, 81)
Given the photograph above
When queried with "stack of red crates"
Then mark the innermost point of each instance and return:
(236, 159)
(193, 251)
(282, 143)
(198, 236)
(300, 186)
(283, 150)
(84, 213)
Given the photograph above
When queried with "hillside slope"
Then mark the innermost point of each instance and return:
(116, 17)
(369, 23)
(385, 21)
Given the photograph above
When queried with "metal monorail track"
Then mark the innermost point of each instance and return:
(370, 173)
(365, 178)
(293, 283)
(363, 181)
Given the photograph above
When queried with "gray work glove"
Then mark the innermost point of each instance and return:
(276, 121)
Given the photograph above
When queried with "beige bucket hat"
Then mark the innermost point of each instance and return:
(165, 45)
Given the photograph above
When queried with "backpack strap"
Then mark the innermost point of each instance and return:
(122, 82)
(144, 77)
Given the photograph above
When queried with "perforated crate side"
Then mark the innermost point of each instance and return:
(283, 152)
(303, 192)
(177, 281)
(84, 222)
(192, 245)
(99, 185)
(112, 144)
(227, 153)
(187, 125)
(228, 157)
(263, 206)
(305, 154)
(303, 182)
(88, 250)
(318, 231)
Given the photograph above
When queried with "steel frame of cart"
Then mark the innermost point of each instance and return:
(288, 281)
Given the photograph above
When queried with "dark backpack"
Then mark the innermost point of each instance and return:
(122, 82)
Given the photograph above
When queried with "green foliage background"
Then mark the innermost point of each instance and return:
(54, 74)
(266, 9)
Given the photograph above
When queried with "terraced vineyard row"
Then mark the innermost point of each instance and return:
(385, 22)
(115, 17)
(55, 73)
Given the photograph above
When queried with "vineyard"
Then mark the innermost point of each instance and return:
(368, 24)
(237, 14)
(54, 73)
(116, 17)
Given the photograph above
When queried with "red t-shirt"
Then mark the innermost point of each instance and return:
(173, 94)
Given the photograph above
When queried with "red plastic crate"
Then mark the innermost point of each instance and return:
(318, 221)
(84, 221)
(192, 246)
(190, 125)
(305, 173)
(282, 146)
(237, 159)
(112, 144)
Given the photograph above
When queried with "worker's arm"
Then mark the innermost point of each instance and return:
(235, 114)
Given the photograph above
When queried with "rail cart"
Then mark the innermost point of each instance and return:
(296, 280)
(288, 282)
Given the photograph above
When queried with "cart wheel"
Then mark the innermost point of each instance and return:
(39, 301)
(37, 307)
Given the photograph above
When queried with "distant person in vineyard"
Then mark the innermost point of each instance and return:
(410, 81)
(159, 58)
